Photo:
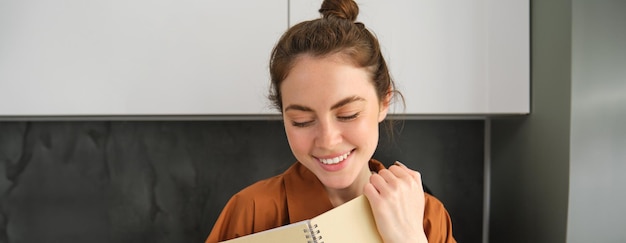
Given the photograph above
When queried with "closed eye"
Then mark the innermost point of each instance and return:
(348, 118)
(301, 124)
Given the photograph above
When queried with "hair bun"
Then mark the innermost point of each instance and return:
(344, 9)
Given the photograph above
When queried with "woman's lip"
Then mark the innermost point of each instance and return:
(335, 155)
(331, 156)
(331, 160)
(331, 165)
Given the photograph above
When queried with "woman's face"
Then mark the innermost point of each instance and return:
(331, 114)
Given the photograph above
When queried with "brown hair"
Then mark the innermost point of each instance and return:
(335, 32)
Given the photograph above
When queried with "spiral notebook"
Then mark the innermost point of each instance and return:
(351, 222)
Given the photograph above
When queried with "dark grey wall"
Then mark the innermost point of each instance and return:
(530, 155)
(166, 181)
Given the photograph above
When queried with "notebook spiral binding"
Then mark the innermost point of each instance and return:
(313, 234)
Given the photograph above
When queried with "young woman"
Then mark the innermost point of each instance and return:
(332, 86)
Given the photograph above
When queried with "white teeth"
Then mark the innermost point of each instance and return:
(335, 160)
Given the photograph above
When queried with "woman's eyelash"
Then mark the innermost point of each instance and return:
(350, 117)
(301, 124)
(342, 118)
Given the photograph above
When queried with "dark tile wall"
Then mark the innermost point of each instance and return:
(166, 181)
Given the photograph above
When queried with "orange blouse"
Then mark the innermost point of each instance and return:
(297, 195)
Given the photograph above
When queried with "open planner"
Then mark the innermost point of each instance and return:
(351, 222)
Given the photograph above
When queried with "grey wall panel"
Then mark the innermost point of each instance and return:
(166, 181)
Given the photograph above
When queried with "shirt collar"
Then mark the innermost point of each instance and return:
(314, 201)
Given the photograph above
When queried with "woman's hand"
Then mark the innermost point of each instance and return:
(397, 199)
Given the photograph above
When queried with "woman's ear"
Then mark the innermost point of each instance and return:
(384, 106)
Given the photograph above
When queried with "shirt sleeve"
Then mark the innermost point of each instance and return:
(258, 207)
(437, 222)
(235, 220)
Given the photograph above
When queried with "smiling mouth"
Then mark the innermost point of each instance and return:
(332, 161)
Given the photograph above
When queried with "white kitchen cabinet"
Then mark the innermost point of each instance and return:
(136, 58)
(450, 57)
(210, 58)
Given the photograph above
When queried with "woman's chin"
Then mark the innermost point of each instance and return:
(337, 183)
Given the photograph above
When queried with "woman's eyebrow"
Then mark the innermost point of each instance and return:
(298, 107)
(346, 101)
(335, 106)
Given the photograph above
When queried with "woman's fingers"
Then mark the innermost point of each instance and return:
(397, 200)
(379, 183)
(397, 178)
(416, 175)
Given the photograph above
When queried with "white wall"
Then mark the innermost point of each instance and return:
(597, 193)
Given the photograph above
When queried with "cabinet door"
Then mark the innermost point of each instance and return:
(449, 56)
(190, 57)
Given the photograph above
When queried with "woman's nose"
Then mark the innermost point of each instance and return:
(328, 135)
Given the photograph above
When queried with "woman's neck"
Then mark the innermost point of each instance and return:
(341, 196)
